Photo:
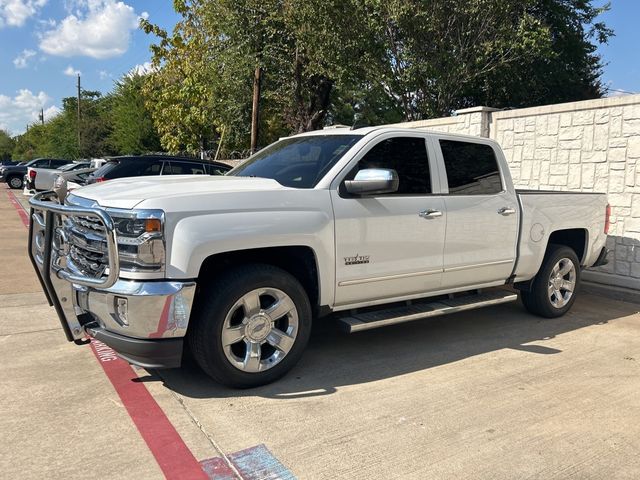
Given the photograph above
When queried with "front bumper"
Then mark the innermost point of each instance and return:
(143, 321)
(165, 353)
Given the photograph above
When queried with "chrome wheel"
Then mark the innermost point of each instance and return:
(562, 282)
(15, 182)
(259, 330)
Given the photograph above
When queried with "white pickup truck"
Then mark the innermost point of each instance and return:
(374, 226)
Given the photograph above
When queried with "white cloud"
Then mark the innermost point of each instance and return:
(104, 74)
(51, 112)
(22, 59)
(72, 72)
(141, 69)
(15, 13)
(95, 28)
(16, 112)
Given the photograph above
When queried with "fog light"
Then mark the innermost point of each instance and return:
(180, 311)
(122, 310)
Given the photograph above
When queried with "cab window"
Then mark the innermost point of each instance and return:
(408, 157)
(472, 168)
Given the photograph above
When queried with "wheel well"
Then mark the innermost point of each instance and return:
(299, 261)
(575, 238)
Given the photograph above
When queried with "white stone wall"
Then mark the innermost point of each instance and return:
(590, 146)
(470, 121)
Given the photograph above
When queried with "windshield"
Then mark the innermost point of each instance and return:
(299, 162)
(68, 166)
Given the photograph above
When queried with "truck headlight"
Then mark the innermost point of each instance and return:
(140, 235)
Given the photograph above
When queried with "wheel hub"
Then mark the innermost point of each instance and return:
(258, 327)
(562, 282)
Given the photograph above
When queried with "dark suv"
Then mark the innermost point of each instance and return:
(119, 167)
(14, 174)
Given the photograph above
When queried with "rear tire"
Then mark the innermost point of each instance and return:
(250, 325)
(15, 182)
(554, 288)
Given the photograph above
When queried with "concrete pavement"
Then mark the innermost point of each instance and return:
(489, 394)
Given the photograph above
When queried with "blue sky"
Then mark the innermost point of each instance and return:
(622, 55)
(43, 43)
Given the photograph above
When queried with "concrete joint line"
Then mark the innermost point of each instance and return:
(201, 427)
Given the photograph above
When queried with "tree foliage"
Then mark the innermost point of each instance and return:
(6, 145)
(132, 130)
(374, 60)
(114, 124)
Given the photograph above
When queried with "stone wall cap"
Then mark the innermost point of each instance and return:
(594, 104)
(464, 111)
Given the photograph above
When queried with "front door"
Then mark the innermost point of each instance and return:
(385, 248)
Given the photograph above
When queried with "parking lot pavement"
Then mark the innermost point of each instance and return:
(489, 394)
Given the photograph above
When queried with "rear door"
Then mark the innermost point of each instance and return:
(385, 245)
(482, 213)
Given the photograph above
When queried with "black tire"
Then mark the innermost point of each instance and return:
(538, 300)
(217, 298)
(15, 181)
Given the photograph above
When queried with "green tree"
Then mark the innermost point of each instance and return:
(132, 129)
(7, 144)
(202, 83)
(374, 60)
(180, 88)
(31, 144)
(570, 70)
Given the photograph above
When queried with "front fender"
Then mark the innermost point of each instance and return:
(195, 238)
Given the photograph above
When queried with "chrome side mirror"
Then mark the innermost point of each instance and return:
(373, 181)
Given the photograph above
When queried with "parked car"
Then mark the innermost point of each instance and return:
(7, 163)
(120, 167)
(14, 174)
(378, 226)
(40, 179)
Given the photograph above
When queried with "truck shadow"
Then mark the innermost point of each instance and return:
(334, 359)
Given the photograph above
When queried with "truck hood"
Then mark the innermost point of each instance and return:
(129, 192)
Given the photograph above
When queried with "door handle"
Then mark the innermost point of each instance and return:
(507, 211)
(430, 213)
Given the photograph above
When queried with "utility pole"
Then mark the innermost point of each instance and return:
(255, 112)
(78, 114)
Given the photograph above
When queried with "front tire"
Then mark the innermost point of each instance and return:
(554, 288)
(15, 182)
(250, 326)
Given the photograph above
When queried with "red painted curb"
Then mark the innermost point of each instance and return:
(173, 456)
(21, 213)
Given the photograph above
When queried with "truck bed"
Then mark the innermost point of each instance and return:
(546, 211)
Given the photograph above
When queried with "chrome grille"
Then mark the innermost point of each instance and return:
(83, 252)
(88, 252)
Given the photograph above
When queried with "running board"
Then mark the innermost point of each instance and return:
(358, 322)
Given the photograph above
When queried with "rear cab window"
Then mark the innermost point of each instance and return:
(471, 168)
